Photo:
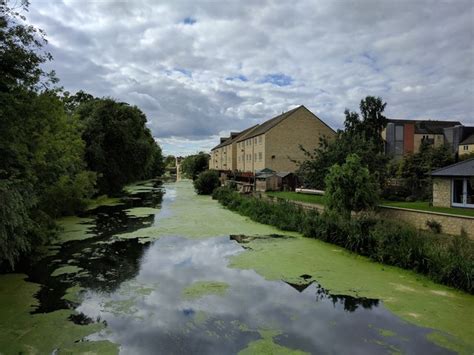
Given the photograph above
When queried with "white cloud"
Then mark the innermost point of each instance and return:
(416, 55)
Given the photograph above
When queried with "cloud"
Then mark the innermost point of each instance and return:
(198, 69)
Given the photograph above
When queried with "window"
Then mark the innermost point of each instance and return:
(466, 147)
(463, 192)
(260, 139)
(260, 156)
(255, 140)
(255, 157)
(399, 140)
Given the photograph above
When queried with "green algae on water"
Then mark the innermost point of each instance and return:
(24, 333)
(194, 216)
(203, 288)
(140, 187)
(141, 211)
(69, 269)
(410, 296)
(266, 345)
(75, 228)
(103, 200)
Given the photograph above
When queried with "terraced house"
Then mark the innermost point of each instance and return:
(273, 144)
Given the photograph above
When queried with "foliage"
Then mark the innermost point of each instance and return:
(21, 51)
(350, 187)
(207, 182)
(193, 165)
(414, 170)
(361, 136)
(119, 146)
(170, 161)
(445, 259)
(434, 226)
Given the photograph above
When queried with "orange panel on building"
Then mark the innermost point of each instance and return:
(409, 138)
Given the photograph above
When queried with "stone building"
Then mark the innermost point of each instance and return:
(467, 146)
(453, 185)
(275, 144)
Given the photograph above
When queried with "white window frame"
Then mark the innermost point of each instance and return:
(464, 194)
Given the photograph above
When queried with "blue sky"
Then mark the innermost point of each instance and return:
(201, 69)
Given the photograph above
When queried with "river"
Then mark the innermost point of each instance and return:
(164, 271)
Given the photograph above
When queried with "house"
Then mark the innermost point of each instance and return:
(406, 136)
(467, 146)
(453, 185)
(223, 155)
(267, 181)
(275, 143)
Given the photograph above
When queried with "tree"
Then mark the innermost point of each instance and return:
(206, 182)
(193, 165)
(119, 146)
(350, 187)
(361, 136)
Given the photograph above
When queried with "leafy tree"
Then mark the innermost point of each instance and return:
(350, 187)
(170, 161)
(207, 182)
(414, 169)
(361, 136)
(193, 165)
(119, 146)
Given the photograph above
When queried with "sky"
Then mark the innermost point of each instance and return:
(200, 69)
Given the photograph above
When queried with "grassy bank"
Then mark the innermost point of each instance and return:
(416, 205)
(293, 196)
(444, 259)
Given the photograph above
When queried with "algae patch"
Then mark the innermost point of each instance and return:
(403, 292)
(69, 269)
(24, 333)
(266, 346)
(75, 228)
(141, 211)
(203, 288)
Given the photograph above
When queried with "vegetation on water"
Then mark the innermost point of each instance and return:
(202, 288)
(445, 259)
(206, 182)
(57, 150)
(193, 165)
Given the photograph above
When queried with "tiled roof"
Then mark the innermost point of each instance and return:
(468, 140)
(462, 168)
(236, 137)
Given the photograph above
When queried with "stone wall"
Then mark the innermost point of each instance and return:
(442, 192)
(449, 224)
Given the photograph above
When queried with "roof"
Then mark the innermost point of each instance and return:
(283, 174)
(268, 125)
(234, 137)
(462, 168)
(468, 140)
(428, 126)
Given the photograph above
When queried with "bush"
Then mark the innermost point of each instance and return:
(445, 259)
(434, 226)
(207, 182)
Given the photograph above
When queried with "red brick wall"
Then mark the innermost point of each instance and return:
(409, 138)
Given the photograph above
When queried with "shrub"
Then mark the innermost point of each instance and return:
(207, 182)
(434, 226)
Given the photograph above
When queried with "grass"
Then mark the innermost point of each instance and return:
(424, 206)
(417, 205)
(293, 196)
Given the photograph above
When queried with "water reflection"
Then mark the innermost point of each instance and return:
(149, 315)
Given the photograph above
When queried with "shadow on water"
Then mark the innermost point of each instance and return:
(138, 291)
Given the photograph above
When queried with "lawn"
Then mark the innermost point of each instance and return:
(420, 206)
(289, 195)
(424, 206)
